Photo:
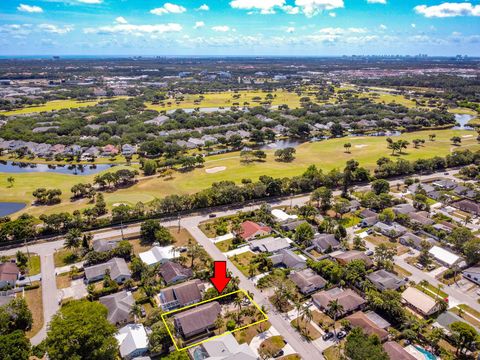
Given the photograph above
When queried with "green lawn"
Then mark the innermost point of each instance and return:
(34, 265)
(432, 291)
(327, 155)
(226, 99)
(64, 257)
(224, 246)
(332, 353)
(58, 105)
(242, 261)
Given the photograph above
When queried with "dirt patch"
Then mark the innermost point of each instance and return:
(361, 146)
(467, 136)
(215, 170)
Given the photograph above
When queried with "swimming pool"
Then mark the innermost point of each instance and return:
(428, 355)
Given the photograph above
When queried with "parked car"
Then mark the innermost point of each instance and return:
(328, 336)
(419, 266)
(212, 215)
(369, 252)
(341, 334)
(430, 267)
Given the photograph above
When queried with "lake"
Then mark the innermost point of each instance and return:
(12, 167)
(282, 144)
(463, 120)
(7, 208)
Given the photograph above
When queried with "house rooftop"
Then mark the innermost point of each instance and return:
(396, 351)
(199, 318)
(359, 319)
(349, 299)
(270, 244)
(386, 280)
(119, 306)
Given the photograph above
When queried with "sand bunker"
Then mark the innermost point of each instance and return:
(118, 204)
(360, 146)
(467, 136)
(215, 169)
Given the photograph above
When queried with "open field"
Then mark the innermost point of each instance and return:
(58, 105)
(327, 155)
(34, 301)
(226, 99)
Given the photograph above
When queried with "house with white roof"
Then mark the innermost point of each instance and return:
(223, 348)
(281, 215)
(133, 341)
(446, 257)
(157, 254)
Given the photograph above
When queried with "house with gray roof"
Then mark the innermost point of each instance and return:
(472, 274)
(197, 320)
(119, 307)
(392, 230)
(420, 217)
(158, 121)
(403, 209)
(103, 245)
(324, 243)
(288, 259)
(181, 295)
(384, 280)
(118, 268)
(414, 241)
(447, 318)
(172, 272)
(269, 244)
(223, 348)
(307, 281)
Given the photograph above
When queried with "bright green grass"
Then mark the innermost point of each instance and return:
(58, 105)
(225, 99)
(34, 265)
(326, 155)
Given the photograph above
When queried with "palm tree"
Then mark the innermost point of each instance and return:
(136, 312)
(347, 147)
(238, 303)
(298, 306)
(193, 250)
(73, 239)
(335, 309)
(307, 315)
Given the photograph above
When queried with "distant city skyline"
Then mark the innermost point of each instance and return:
(239, 27)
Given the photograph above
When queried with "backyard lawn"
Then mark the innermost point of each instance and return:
(224, 246)
(64, 257)
(272, 345)
(246, 335)
(332, 353)
(306, 329)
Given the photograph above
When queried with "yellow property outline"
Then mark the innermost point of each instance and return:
(217, 336)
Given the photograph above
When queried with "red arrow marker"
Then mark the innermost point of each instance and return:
(220, 279)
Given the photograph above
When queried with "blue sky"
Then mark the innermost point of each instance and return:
(239, 27)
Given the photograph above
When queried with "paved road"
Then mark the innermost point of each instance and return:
(49, 295)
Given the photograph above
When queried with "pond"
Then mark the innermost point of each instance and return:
(7, 208)
(463, 120)
(13, 167)
(281, 144)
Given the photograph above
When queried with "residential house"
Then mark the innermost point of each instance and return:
(197, 320)
(223, 348)
(173, 272)
(157, 254)
(118, 268)
(414, 241)
(393, 230)
(282, 216)
(472, 274)
(270, 244)
(9, 274)
(445, 184)
(196, 142)
(354, 205)
(395, 351)
(359, 319)
(324, 243)
(133, 341)
(348, 298)
(181, 295)
(420, 302)
(366, 213)
(421, 218)
(445, 257)
(91, 153)
(447, 318)
(369, 221)
(109, 150)
(288, 259)
(307, 281)
(103, 245)
(292, 225)
(348, 256)
(119, 307)
(468, 206)
(250, 230)
(128, 150)
(158, 121)
(403, 209)
(461, 190)
(384, 280)
(414, 188)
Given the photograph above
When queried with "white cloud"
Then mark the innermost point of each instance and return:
(54, 29)
(16, 30)
(121, 20)
(168, 8)
(341, 31)
(290, 30)
(383, 27)
(221, 28)
(332, 14)
(377, 1)
(448, 10)
(292, 10)
(313, 7)
(134, 29)
(204, 7)
(29, 9)
(413, 25)
(90, 1)
(264, 6)
(199, 24)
